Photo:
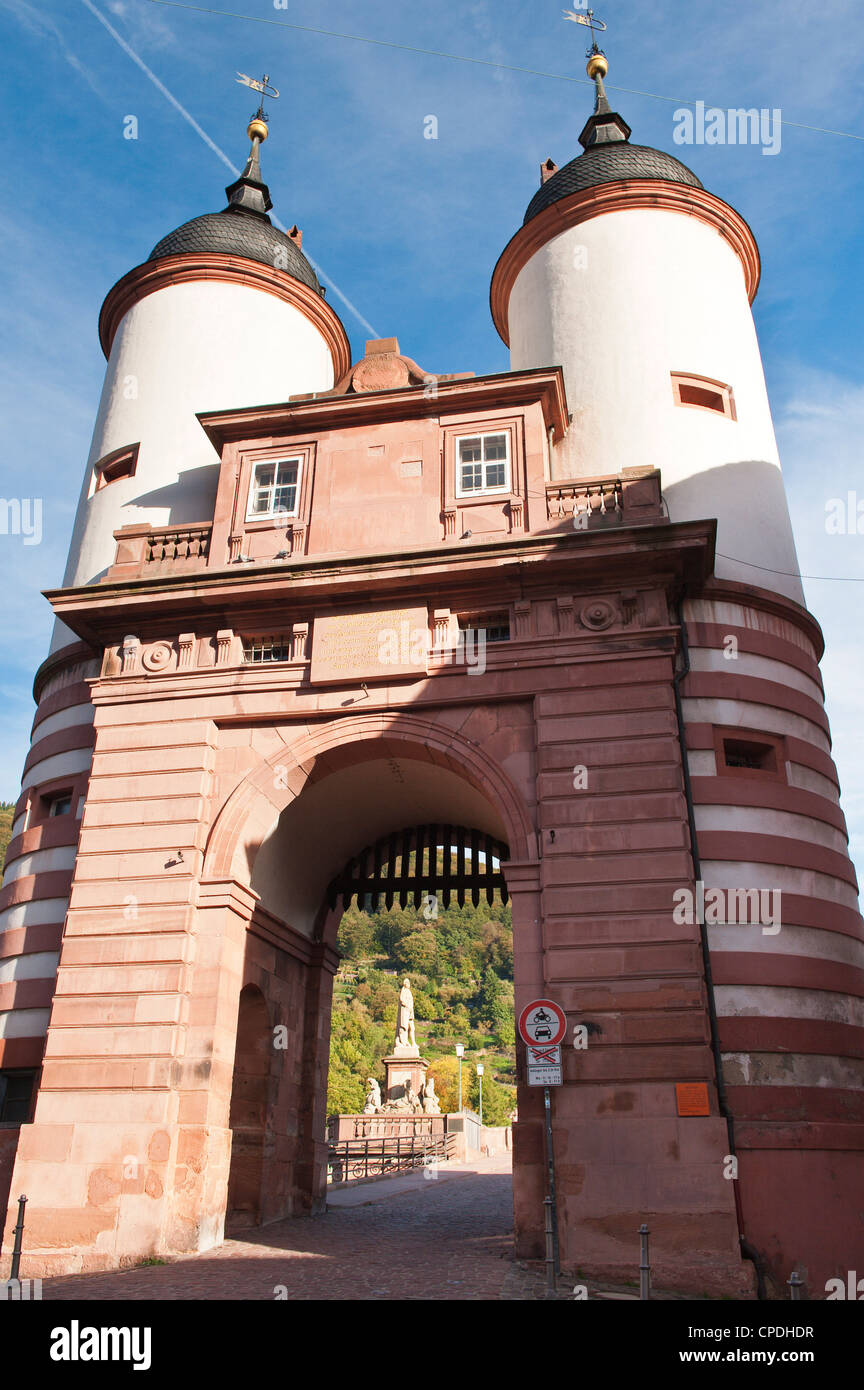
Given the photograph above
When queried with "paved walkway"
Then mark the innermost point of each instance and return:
(411, 1237)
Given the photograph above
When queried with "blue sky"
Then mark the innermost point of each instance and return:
(409, 229)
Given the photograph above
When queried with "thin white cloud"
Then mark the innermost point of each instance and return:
(36, 21)
(211, 144)
(144, 23)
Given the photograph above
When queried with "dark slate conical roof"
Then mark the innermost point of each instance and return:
(241, 229)
(608, 157)
(238, 234)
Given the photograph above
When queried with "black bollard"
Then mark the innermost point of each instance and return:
(644, 1264)
(19, 1231)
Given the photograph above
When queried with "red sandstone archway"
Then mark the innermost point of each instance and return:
(248, 814)
(260, 848)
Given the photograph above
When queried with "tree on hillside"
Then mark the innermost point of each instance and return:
(391, 926)
(357, 1044)
(380, 994)
(493, 1009)
(505, 1033)
(357, 935)
(497, 942)
(445, 1072)
(7, 810)
(417, 951)
(498, 1101)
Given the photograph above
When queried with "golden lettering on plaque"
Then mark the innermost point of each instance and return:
(377, 644)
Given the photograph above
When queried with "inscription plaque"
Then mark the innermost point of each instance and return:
(370, 645)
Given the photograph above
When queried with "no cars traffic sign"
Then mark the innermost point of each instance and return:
(542, 1021)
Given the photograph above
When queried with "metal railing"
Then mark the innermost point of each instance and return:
(349, 1160)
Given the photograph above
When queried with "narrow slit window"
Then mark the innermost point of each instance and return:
(122, 463)
(494, 626)
(750, 754)
(704, 394)
(16, 1096)
(701, 395)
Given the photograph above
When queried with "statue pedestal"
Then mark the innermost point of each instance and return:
(403, 1065)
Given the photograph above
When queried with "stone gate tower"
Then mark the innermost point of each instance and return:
(311, 604)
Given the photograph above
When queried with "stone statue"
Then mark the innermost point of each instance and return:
(412, 1100)
(373, 1097)
(409, 1103)
(430, 1100)
(405, 1017)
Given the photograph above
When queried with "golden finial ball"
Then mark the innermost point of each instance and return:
(597, 64)
(257, 129)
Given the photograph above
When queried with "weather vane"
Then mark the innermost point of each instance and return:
(591, 23)
(263, 87)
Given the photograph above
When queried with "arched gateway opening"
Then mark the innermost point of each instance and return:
(384, 820)
(423, 1002)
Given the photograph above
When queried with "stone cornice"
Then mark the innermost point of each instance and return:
(618, 197)
(236, 270)
(325, 411)
(681, 554)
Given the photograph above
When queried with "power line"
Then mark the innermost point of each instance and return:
(794, 574)
(767, 569)
(462, 58)
(178, 106)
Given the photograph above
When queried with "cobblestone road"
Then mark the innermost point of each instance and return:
(416, 1238)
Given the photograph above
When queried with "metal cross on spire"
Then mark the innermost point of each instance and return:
(262, 86)
(587, 18)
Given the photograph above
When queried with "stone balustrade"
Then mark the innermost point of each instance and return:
(144, 551)
(627, 499)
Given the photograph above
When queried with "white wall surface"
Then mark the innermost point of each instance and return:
(661, 292)
(205, 345)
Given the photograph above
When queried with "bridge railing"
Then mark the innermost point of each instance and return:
(350, 1160)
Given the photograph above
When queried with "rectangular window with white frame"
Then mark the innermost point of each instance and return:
(482, 464)
(274, 489)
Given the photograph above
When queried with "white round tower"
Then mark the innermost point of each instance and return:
(638, 282)
(226, 311)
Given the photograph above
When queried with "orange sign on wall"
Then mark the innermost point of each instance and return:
(692, 1098)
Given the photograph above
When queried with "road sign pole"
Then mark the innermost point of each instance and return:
(550, 1182)
(542, 1027)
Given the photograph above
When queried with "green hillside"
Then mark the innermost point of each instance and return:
(6, 810)
(461, 970)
